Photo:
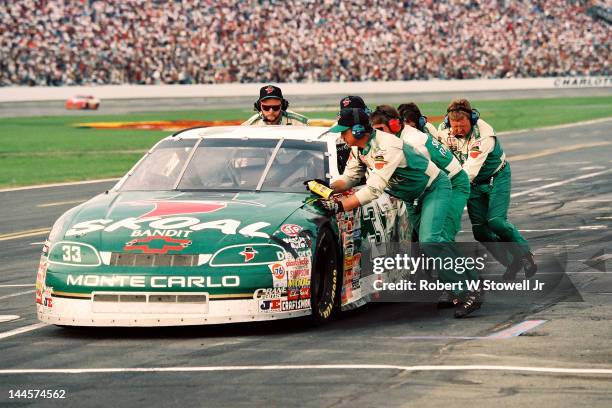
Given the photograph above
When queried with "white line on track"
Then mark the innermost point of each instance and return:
(21, 330)
(560, 183)
(567, 125)
(8, 318)
(581, 228)
(71, 183)
(595, 200)
(557, 150)
(60, 203)
(17, 294)
(21, 285)
(550, 370)
(592, 168)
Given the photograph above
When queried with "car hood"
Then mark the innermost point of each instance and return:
(190, 222)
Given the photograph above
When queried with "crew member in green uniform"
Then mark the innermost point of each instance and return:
(272, 110)
(411, 116)
(397, 168)
(478, 149)
(388, 119)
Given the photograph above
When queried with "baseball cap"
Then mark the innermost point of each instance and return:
(350, 101)
(270, 91)
(349, 118)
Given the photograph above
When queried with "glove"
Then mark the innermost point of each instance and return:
(330, 206)
(323, 182)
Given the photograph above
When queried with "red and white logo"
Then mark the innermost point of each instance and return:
(157, 244)
(248, 253)
(269, 90)
(291, 230)
(278, 271)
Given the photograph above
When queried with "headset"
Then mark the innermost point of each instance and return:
(394, 124)
(358, 130)
(284, 105)
(474, 115)
(421, 123)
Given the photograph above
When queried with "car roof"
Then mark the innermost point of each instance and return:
(259, 132)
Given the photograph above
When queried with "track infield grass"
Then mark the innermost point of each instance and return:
(36, 150)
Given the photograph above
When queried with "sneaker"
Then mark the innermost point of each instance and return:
(471, 303)
(513, 269)
(529, 265)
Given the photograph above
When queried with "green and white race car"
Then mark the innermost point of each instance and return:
(214, 225)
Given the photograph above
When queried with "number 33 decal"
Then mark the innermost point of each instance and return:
(71, 253)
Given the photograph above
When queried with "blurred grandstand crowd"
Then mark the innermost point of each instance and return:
(69, 42)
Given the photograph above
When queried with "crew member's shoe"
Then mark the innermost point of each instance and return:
(470, 304)
(512, 269)
(529, 265)
(446, 300)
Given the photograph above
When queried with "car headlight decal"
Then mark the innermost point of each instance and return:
(247, 255)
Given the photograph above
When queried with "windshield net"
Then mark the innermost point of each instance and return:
(230, 164)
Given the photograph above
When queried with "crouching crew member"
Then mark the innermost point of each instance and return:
(386, 118)
(478, 149)
(272, 109)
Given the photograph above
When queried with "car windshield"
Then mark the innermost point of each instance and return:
(229, 164)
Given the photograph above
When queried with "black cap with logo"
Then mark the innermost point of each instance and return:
(270, 91)
(350, 101)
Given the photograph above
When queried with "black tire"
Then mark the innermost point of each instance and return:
(325, 281)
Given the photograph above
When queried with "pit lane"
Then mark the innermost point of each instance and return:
(561, 200)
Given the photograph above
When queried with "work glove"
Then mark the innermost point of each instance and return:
(329, 206)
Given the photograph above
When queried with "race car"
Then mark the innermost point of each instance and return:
(83, 102)
(215, 225)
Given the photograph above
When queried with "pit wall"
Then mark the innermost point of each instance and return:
(22, 94)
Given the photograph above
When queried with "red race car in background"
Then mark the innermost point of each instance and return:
(83, 102)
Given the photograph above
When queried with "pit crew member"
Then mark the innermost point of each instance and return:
(272, 109)
(480, 152)
(410, 114)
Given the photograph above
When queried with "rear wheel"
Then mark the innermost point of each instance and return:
(325, 281)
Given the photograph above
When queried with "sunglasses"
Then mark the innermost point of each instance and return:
(274, 108)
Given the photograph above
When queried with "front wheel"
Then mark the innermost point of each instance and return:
(325, 281)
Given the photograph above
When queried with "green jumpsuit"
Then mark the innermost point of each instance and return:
(442, 157)
(484, 160)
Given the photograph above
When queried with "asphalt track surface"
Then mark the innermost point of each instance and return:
(562, 200)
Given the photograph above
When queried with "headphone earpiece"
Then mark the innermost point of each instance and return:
(395, 125)
(474, 116)
(257, 106)
(357, 130)
(421, 123)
